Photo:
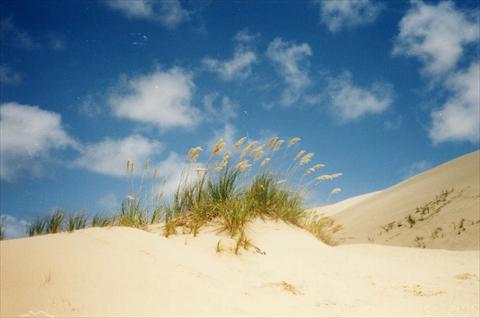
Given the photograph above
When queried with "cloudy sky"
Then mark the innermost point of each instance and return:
(377, 90)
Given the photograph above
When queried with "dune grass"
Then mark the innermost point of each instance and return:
(228, 189)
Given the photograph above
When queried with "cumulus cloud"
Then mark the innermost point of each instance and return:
(28, 133)
(293, 66)
(162, 98)
(219, 107)
(351, 102)
(110, 156)
(347, 14)
(8, 76)
(13, 226)
(436, 34)
(240, 65)
(459, 118)
(170, 13)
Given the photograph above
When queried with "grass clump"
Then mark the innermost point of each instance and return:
(76, 221)
(54, 221)
(101, 220)
(37, 226)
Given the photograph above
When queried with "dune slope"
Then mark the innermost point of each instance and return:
(127, 272)
(439, 208)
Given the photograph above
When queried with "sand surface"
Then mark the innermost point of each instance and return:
(128, 272)
(439, 208)
(113, 272)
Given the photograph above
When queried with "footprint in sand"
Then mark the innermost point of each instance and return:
(465, 276)
(418, 290)
(285, 286)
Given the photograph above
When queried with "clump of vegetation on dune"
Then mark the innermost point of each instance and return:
(232, 186)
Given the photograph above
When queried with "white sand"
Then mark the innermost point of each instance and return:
(363, 217)
(127, 272)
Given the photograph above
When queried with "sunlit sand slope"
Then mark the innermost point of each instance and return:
(128, 272)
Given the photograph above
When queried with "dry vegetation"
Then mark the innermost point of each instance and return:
(229, 189)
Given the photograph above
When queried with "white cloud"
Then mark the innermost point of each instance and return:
(240, 65)
(351, 102)
(12, 226)
(459, 118)
(347, 14)
(168, 13)
(110, 155)
(219, 107)
(162, 98)
(8, 76)
(292, 63)
(436, 34)
(28, 133)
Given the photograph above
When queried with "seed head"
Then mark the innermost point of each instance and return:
(281, 181)
(201, 169)
(130, 197)
(265, 162)
(278, 144)
(306, 159)
(299, 154)
(336, 190)
(272, 141)
(242, 165)
(293, 141)
(194, 153)
(218, 147)
(247, 149)
(155, 173)
(240, 142)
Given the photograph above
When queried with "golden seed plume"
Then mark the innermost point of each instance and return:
(247, 149)
(201, 169)
(306, 159)
(328, 176)
(293, 141)
(278, 144)
(257, 153)
(272, 141)
(218, 147)
(313, 169)
(242, 165)
(130, 197)
(194, 153)
(299, 154)
(240, 142)
(265, 162)
(224, 162)
(155, 173)
(336, 190)
(281, 181)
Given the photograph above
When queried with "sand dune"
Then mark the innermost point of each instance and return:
(113, 272)
(128, 272)
(439, 208)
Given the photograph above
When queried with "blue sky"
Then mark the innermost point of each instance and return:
(377, 90)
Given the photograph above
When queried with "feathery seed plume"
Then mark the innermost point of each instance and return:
(272, 141)
(336, 190)
(194, 153)
(306, 159)
(242, 165)
(278, 144)
(218, 147)
(247, 149)
(293, 141)
(240, 142)
(130, 197)
(265, 162)
(299, 154)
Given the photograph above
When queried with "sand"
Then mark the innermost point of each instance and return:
(129, 272)
(446, 221)
(118, 271)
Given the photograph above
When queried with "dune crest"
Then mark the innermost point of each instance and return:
(439, 208)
